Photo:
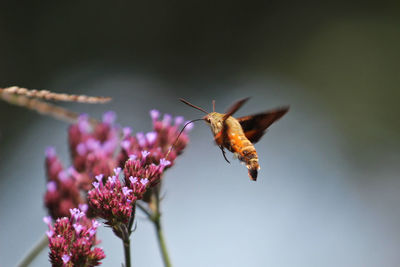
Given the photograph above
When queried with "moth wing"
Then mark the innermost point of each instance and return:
(232, 109)
(254, 126)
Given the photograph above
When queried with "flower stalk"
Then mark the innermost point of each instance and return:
(127, 252)
(156, 218)
(126, 242)
(34, 252)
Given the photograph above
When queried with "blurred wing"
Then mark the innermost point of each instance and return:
(254, 126)
(235, 107)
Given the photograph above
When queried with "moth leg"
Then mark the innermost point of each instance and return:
(223, 154)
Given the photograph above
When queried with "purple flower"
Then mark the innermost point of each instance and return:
(83, 207)
(140, 169)
(93, 144)
(63, 176)
(62, 192)
(167, 119)
(95, 224)
(81, 149)
(158, 142)
(78, 227)
(51, 186)
(133, 180)
(112, 202)
(76, 214)
(72, 241)
(141, 139)
(179, 120)
(66, 258)
(126, 191)
(112, 180)
(151, 137)
(96, 185)
(47, 220)
(144, 181)
(49, 233)
(164, 162)
(125, 144)
(83, 123)
(126, 131)
(109, 117)
(117, 171)
(145, 154)
(99, 178)
(154, 114)
(50, 152)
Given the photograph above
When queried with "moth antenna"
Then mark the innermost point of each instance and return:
(177, 138)
(213, 103)
(191, 105)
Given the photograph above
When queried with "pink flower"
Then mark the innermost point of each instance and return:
(111, 200)
(157, 142)
(62, 193)
(71, 241)
(142, 167)
(92, 148)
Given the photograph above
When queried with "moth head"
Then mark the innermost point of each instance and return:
(215, 120)
(207, 118)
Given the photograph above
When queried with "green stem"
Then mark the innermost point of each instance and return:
(126, 244)
(34, 252)
(162, 244)
(127, 252)
(156, 218)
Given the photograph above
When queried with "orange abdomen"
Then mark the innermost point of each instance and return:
(240, 145)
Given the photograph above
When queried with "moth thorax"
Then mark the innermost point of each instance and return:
(215, 120)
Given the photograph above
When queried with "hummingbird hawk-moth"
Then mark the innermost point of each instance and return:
(239, 134)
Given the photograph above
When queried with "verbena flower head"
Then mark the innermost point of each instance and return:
(72, 240)
(144, 170)
(53, 164)
(111, 200)
(62, 194)
(92, 150)
(92, 147)
(157, 142)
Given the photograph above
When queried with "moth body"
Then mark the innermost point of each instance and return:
(234, 139)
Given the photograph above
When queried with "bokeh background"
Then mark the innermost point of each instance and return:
(328, 190)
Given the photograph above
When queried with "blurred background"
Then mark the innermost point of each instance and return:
(327, 193)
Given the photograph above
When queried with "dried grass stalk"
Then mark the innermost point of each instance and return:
(42, 107)
(47, 95)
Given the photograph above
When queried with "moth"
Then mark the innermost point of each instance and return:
(239, 134)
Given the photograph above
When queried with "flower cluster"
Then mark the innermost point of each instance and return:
(62, 193)
(142, 167)
(100, 150)
(157, 142)
(111, 200)
(92, 148)
(72, 240)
